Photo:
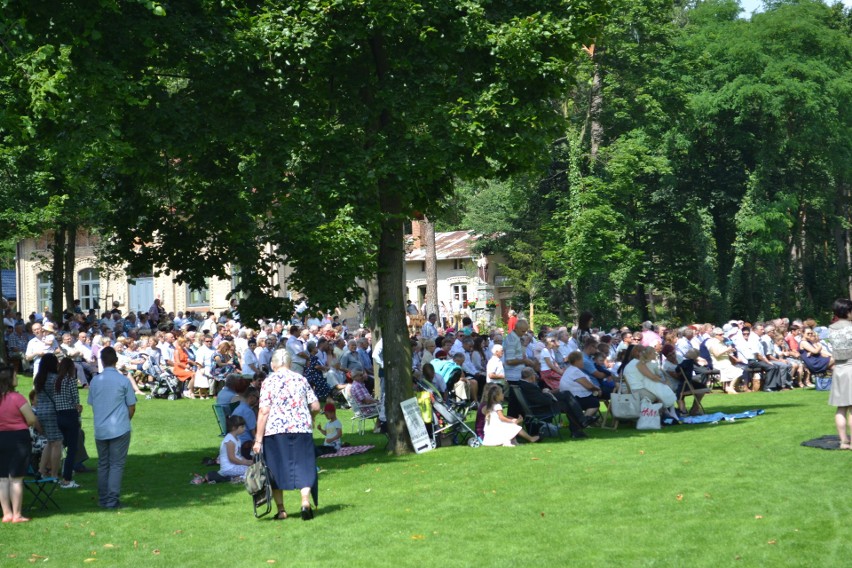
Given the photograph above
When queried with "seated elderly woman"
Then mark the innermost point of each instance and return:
(814, 354)
(642, 377)
(576, 382)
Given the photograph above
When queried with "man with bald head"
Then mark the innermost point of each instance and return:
(514, 352)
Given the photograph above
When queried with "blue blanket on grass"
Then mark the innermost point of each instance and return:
(717, 417)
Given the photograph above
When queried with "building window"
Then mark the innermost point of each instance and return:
(89, 289)
(423, 266)
(196, 298)
(460, 292)
(45, 292)
(458, 264)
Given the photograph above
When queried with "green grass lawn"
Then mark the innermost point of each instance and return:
(737, 494)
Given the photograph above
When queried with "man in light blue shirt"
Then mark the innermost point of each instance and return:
(113, 405)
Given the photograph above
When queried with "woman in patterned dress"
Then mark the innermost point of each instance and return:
(285, 433)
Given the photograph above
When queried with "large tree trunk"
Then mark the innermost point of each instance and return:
(391, 278)
(641, 301)
(70, 255)
(431, 268)
(57, 275)
(396, 347)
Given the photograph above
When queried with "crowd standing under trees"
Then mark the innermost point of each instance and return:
(699, 163)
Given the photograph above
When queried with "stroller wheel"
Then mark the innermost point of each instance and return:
(171, 396)
(474, 442)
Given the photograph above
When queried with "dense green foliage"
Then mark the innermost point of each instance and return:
(712, 179)
(298, 133)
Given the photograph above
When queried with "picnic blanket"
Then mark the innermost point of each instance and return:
(717, 417)
(350, 451)
(830, 442)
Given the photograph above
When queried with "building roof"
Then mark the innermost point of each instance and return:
(455, 244)
(9, 291)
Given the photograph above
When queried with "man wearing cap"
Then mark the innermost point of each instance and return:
(333, 431)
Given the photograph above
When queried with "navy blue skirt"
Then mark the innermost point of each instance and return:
(291, 460)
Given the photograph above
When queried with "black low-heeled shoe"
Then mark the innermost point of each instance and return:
(307, 513)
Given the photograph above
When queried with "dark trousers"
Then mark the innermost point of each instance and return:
(771, 374)
(112, 455)
(572, 409)
(69, 425)
(785, 373)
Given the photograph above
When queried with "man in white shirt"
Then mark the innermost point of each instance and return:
(249, 361)
(167, 348)
(514, 352)
(263, 355)
(494, 372)
(296, 349)
(457, 347)
(429, 331)
(179, 320)
(36, 347)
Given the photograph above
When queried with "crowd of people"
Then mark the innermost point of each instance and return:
(278, 376)
(580, 366)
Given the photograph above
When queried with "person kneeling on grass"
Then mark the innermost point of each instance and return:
(231, 463)
(333, 431)
(500, 430)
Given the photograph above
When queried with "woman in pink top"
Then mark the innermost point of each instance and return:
(16, 416)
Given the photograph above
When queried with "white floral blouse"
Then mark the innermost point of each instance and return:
(288, 397)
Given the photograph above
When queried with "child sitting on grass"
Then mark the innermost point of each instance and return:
(500, 430)
(231, 464)
(333, 431)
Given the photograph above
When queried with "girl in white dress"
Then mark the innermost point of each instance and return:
(231, 463)
(500, 430)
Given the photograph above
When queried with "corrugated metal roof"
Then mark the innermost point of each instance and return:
(9, 284)
(455, 244)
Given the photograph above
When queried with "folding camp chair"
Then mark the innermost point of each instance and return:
(222, 411)
(542, 421)
(360, 414)
(689, 390)
(41, 488)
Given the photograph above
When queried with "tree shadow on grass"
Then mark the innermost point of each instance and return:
(162, 481)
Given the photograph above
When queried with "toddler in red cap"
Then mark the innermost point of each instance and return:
(333, 431)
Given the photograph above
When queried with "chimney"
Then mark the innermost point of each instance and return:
(417, 234)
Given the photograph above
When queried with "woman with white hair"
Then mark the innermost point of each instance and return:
(285, 433)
